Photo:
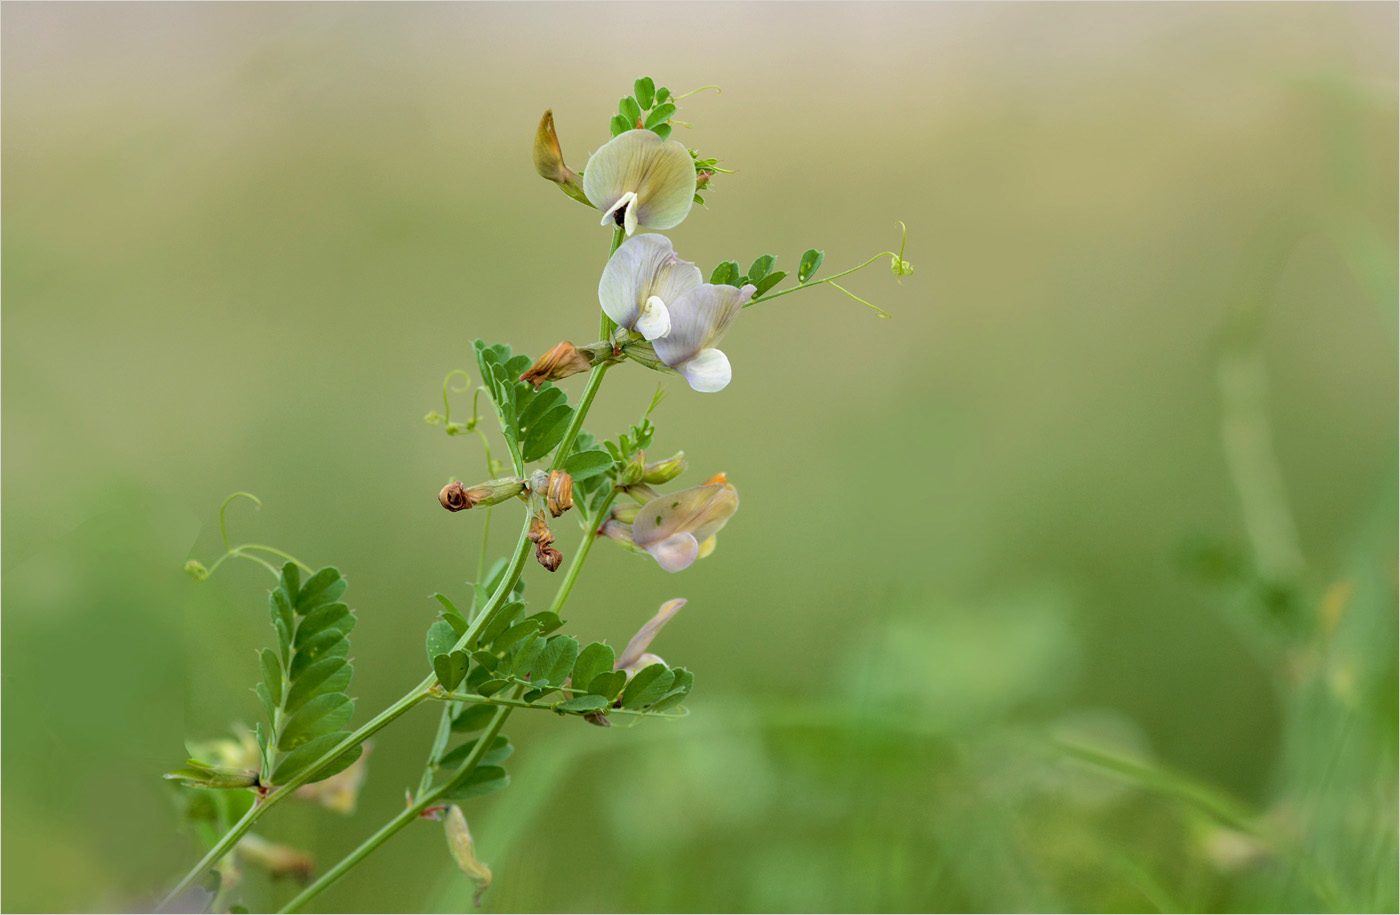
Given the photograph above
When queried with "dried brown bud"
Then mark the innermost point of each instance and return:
(455, 497)
(539, 532)
(559, 495)
(549, 557)
(561, 362)
(541, 536)
(598, 718)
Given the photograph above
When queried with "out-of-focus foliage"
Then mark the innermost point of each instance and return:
(1073, 586)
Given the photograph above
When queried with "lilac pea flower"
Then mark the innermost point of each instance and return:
(680, 528)
(698, 319)
(641, 281)
(638, 179)
(635, 656)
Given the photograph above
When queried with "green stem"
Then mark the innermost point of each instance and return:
(595, 381)
(590, 534)
(389, 829)
(426, 798)
(512, 575)
(521, 703)
(230, 838)
(766, 297)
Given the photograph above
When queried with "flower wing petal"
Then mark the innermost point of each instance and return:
(699, 318)
(642, 640)
(699, 511)
(644, 266)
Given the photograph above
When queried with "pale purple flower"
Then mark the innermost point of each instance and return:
(679, 528)
(643, 278)
(648, 289)
(638, 179)
(635, 656)
(698, 319)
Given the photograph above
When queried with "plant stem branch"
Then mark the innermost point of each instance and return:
(391, 828)
(230, 838)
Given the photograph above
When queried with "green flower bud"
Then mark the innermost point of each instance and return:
(632, 471)
(196, 570)
(196, 774)
(665, 471)
(459, 842)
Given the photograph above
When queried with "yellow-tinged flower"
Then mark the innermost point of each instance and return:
(673, 527)
(635, 656)
(459, 842)
(640, 180)
(341, 791)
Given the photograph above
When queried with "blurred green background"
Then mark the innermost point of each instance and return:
(1071, 587)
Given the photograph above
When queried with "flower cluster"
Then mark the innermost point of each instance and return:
(667, 317)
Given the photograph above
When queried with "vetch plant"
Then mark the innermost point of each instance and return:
(492, 652)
